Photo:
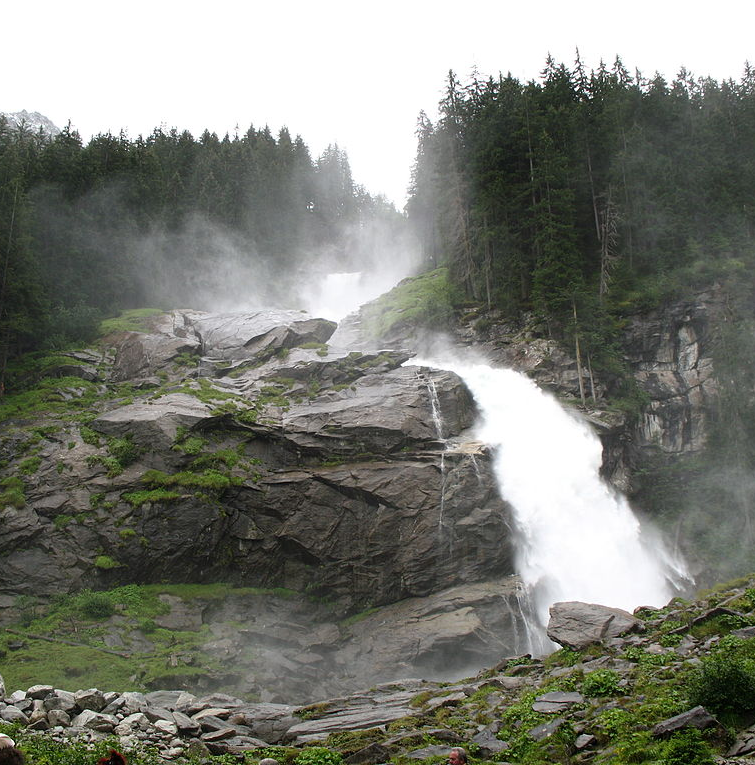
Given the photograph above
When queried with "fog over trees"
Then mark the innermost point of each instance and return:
(168, 220)
(586, 189)
(577, 197)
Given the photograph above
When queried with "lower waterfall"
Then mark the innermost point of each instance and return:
(578, 538)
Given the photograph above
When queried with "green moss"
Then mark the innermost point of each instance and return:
(425, 300)
(221, 458)
(62, 520)
(112, 466)
(30, 465)
(133, 320)
(105, 562)
(12, 493)
(191, 445)
(314, 711)
(354, 618)
(207, 393)
(207, 479)
(153, 496)
(59, 395)
(124, 450)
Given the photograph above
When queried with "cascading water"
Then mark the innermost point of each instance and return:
(579, 539)
(432, 391)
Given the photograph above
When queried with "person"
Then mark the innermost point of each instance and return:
(114, 758)
(457, 756)
(9, 755)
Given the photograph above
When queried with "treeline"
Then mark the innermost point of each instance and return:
(167, 220)
(586, 191)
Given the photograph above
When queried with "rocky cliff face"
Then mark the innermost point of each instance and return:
(243, 449)
(669, 351)
(255, 449)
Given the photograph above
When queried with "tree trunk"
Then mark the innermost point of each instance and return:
(579, 358)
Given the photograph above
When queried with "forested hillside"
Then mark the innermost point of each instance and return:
(586, 199)
(587, 192)
(167, 220)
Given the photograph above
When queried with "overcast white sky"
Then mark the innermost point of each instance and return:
(333, 71)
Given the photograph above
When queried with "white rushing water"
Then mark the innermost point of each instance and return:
(578, 538)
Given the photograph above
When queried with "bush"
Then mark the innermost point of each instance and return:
(687, 748)
(723, 683)
(95, 605)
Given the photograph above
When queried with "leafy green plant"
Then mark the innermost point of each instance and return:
(724, 683)
(318, 755)
(139, 498)
(89, 436)
(95, 605)
(601, 682)
(124, 450)
(30, 465)
(687, 747)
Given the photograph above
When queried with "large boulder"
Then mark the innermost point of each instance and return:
(576, 625)
(260, 333)
(170, 339)
(154, 423)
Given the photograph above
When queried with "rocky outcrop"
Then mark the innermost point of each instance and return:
(576, 625)
(243, 449)
(511, 707)
(670, 353)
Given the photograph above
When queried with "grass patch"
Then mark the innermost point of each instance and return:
(105, 562)
(425, 300)
(52, 395)
(12, 493)
(207, 479)
(133, 320)
(139, 498)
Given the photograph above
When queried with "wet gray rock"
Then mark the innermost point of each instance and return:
(697, 717)
(744, 743)
(434, 750)
(140, 355)
(95, 721)
(556, 701)
(541, 732)
(259, 333)
(489, 743)
(576, 625)
(154, 424)
(12, 714)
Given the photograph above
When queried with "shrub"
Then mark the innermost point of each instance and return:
(95, 605)
(687, 748)
(723, 683)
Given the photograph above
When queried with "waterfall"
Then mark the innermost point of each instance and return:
(578, 538)
(432, 390)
